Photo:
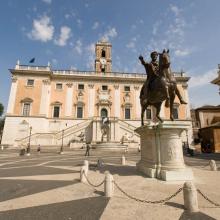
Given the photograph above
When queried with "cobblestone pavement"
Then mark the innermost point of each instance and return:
(47, 186)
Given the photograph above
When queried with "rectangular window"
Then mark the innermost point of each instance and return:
(59, 86)
(148, 113)
(81, 87)
(56, 111)
(30, 82)
(175, 113)
(127, 88)
(26, 109)
(79, 112)
(127, 113)
(104, 88)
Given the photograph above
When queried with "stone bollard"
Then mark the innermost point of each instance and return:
(2, 147)
(109, 184)
(213, 165)
(190, 197)
(123, 160)
(86, 163)
(83, 173)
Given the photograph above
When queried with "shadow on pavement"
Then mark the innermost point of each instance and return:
(195, 216)
(32, 171)
(89, 208)
(118, 169)
(11, 189)
(206, 156)
(176, 205)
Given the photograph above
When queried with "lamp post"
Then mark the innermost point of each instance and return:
(29, 143)
(187, 140)
(61, 148)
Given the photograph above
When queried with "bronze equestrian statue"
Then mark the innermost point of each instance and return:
(159, 86)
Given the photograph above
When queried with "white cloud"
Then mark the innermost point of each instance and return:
(170, 34)
(79, 22)
(175, 9)
(73, 67)
(133, 26)
(78, 47)
(91, 55)
(65, 33)
(47, 1)
(42, 29)
(110, 33)
(182, 53)
(131, 44)
(95, 25)
(155, 27)
(54, 61)
(67, 16)
(204, 79)
(141, 21)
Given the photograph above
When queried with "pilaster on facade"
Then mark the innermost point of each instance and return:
(12, 96)
(45, 97)
(186, 97)
(91, 100)
(69, 100)
(137, 102)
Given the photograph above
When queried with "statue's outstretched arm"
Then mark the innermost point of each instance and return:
(142, 60)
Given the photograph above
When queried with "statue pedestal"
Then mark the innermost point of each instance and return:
(161, 151)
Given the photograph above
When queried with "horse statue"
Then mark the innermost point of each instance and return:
(162, 87)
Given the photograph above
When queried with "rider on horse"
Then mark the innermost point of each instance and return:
(152, 71)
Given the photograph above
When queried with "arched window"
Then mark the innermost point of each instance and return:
(104, 113)
(103, 53)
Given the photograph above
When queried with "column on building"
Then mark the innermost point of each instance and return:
(45, 97)
(69, 100)
(186, 97)
(11, 101)
(117, 101)
(137, 102)
(91, 100)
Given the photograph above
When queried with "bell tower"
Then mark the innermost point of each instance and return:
(103, 61)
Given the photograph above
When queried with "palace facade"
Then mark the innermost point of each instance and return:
(49, 106)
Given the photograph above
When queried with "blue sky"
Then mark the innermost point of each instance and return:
(64, 32)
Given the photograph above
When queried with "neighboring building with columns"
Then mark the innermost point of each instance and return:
(58, 105)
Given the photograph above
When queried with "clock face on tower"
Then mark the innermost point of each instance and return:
(103, 61)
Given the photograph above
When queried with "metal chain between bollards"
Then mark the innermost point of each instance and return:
(91, 182)
(148, 201)
(206, 198)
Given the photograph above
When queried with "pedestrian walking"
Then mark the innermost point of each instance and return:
(87, 149)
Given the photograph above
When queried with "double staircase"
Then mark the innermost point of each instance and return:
(54, 138)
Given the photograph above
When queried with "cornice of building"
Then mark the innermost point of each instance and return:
(88, 75)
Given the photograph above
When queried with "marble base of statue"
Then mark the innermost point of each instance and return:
(161, 151)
